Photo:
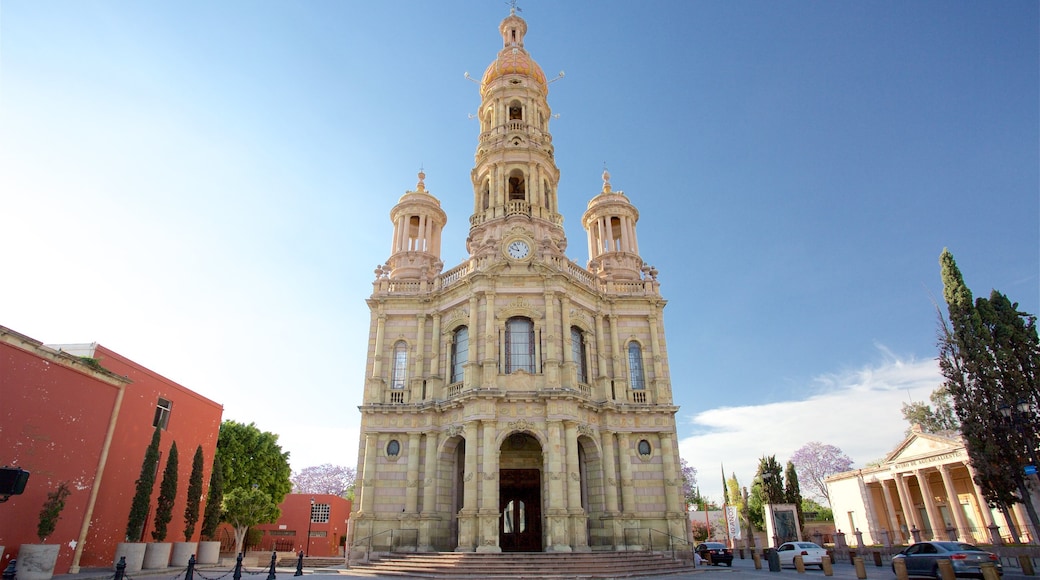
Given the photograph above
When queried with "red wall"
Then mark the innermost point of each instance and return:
(194, 420)
(54, 413)
(296, 509)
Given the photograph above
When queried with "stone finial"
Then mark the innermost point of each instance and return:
(421, 186)
(606, 181)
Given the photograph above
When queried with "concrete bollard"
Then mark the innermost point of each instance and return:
(1027, 565)
(989, 571)
(946, 569)
(799, 564)
(757, 559)
(861, 569)
(877, 558)
(899, 566)
(828, 569)
(299, 565)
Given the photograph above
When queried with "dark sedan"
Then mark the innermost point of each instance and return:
(922, 559)
(717, 551)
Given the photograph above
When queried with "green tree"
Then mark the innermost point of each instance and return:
(252, 458)
(245, 507)
(772, 480)
(989, 355)
(214, 500)
(819, 513)
(167, 495)
(191, 511)
(733, 496)
(793, 493)
(935, 418)
(140, 506)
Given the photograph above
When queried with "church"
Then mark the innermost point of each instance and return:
(518, 401)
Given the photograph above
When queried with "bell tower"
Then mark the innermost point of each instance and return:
(514, 176)
(610, 222)
(418, 221)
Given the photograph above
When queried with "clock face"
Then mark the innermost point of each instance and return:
(518, 249)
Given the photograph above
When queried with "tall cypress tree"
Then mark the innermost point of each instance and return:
(191, 511)
(990, 358)
(793, 492)
(167, 495)
(214, 499)
(141, 504)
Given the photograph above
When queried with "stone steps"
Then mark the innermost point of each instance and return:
(505, 566)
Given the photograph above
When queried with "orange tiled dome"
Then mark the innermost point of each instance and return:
(514, 61)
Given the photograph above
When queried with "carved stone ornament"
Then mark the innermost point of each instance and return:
(575, 477)
(413, 483)
(454, 430)
(428, 481)
(555, 476)
(586, 430)
(469, 477)
(489, 542)
(671, 483)
(490, 476)
(520, 425)
(368, 482)
(611, 481)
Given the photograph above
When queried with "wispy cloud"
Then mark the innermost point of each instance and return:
(856, 410)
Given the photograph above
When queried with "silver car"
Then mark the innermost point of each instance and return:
(922, 559)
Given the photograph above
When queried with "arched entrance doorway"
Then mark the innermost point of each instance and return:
(520, 494)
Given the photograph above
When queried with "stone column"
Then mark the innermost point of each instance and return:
(938, 525)
(411, 497)
(490, 364)
(468, 513)
(610, 483)
(429, 483)
(675, 512)
(435, 355)
(628, 502)
(657, 359)
(954, 504)
(570, 377)
(368, 478)
(909, 512)
(575, 511)
(893, 521)
(618, 367)
(377, 352)
(420, 356)
(556, 518)
(601, 355)
(469, 375)
(489, 490)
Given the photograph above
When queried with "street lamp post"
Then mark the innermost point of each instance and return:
(310, 518)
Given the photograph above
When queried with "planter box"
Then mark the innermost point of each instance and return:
(36, 561)
(182, 552)
(209, 553)
(134, 554)
(157, 555)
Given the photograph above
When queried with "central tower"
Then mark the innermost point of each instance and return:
(518, 401)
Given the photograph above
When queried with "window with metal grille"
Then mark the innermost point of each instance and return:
(459, 354)
(320, 513)
(578, 354)
(519, 345)
(635, 366)
(400, 370)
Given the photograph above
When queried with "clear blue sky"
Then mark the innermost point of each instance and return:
(205, 187)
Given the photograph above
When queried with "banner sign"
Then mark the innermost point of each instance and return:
(733, 522)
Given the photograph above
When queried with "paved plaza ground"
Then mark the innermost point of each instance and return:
(741, 569)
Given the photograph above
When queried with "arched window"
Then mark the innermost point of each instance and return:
(487, 195)
(635, 366)
(519, 345)
(400, 368)
(578, 354)
(615, 234)
(459, 353)
(517, 186)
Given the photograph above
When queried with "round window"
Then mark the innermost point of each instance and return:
(644, 448)
(393, 448)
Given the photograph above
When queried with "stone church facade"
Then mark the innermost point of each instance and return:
(518, 401)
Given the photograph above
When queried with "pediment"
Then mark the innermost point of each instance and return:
(920, 444)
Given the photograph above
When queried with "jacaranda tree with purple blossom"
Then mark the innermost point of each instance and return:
(814, 461)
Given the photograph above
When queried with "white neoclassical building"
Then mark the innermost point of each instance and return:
(518, 401)
(925, 486)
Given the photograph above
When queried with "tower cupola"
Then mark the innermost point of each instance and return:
(610, 223)
(418, 221)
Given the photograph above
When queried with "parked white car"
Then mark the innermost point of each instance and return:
(812, 555)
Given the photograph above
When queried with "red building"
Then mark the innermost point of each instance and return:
(323, 516)
(84, 414)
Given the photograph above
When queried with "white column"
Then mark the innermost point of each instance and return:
(938, 525)
(907, 501)
(628, 504)
(610, 484)
(893, 521)
(368, 477)
(411, 497)
(469, 477)
(430, 480)
(954, 504)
